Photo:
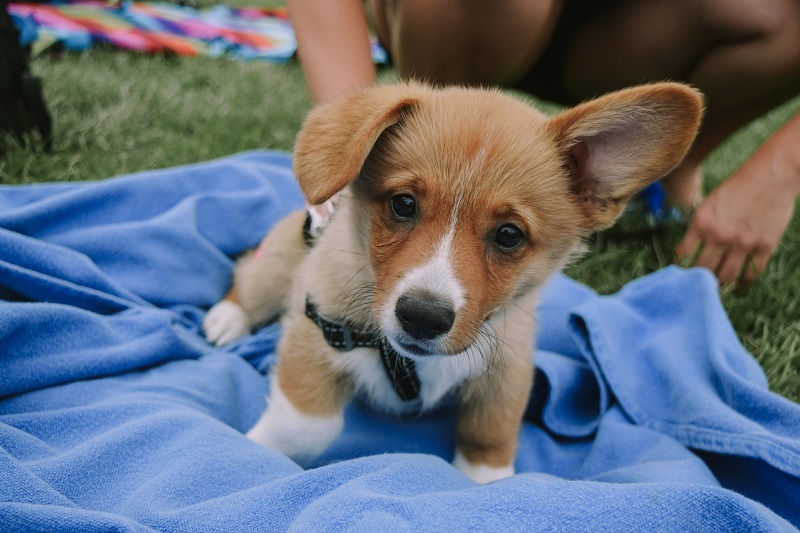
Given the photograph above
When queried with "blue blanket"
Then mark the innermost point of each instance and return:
(116, 414)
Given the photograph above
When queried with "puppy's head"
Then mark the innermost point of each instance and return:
(468, 199)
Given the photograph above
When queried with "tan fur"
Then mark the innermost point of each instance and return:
(308, 378)
(233, 295)
(492, 407)
(473, 160)
(263, 278)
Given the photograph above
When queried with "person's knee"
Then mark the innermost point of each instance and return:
(737, 20)
(770, 27)
(786, 33)
(778, 22)
(468, 41)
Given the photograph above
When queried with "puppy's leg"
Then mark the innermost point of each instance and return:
(226, 321)
(490, 415)
(261, 283)
(304, 413)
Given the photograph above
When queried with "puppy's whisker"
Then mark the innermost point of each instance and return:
(341, 250)
(358, 294)
(522, 309)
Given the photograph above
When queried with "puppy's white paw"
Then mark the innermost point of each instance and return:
(300, 436)
(481, 473)
(225, 323)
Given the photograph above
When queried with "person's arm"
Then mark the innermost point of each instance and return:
(739, 225)
(333, 44)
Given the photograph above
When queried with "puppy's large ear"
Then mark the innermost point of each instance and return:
(336, 138)
(617, 144)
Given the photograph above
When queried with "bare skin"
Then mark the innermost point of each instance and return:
(469, 42)
(731, 240)
(743, 54)
(333, 44)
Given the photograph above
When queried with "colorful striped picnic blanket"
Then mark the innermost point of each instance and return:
(248, 33)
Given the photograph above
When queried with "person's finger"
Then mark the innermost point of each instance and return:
(687, 252)
(711, 257)
(733, 266)
(753, 268)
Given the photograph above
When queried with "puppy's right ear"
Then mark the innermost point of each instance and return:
(336, 138)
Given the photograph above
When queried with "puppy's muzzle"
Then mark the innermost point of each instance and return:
(423, 316)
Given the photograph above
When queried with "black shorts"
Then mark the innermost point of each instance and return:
(546, 78)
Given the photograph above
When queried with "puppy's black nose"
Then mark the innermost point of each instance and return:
(424, 318)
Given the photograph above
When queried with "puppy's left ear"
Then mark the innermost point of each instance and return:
(617, 144)
(336, 138)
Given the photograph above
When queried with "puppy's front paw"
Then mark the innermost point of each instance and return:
(225, 323)
(481, 473)
(301, 436)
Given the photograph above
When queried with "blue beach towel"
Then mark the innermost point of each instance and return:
(115, 414)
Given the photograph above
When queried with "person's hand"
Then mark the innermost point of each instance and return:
(737, 227)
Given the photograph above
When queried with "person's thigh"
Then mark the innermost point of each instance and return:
(465, 41)
(734, 50)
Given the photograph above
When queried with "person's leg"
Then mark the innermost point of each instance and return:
(471, 42)
(743, 54)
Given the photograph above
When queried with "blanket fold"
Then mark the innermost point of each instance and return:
(116, 414)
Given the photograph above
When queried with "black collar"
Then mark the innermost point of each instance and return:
(400, 370)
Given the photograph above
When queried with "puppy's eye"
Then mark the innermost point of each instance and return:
(508, 237)
(404, 206)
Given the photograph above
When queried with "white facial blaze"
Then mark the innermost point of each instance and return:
(436, 276)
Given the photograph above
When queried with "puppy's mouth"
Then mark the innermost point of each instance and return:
(420, 325)
(422, 350)
(415, 349)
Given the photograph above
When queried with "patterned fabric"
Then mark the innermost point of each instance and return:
(247, 33)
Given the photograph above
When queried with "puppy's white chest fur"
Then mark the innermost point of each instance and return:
(438, 376)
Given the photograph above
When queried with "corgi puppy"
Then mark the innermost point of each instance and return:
(456, 205)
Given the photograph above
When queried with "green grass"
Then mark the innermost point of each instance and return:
(767, 317)
(116, 113)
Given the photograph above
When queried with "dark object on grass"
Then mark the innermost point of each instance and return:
(22, 107)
